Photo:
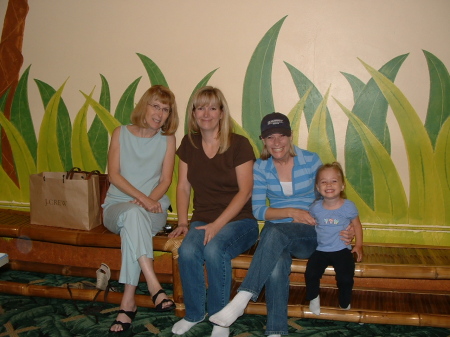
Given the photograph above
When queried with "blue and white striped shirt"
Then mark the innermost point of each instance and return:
(267, 184)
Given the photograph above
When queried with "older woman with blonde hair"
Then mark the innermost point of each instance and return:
(140, 165)
(217, 165)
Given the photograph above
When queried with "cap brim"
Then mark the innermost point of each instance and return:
(282, 131)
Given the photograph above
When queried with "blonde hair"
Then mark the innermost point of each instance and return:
(204, 97)
(163, 95)
(338, 168)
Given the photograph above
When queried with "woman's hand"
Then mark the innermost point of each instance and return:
(211, 230)
(348, 234)
(180, 230)
(301, 216)
(148, 204)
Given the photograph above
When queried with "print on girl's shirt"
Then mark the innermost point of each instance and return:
(331, 221)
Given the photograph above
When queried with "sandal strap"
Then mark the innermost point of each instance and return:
(159, 292)
(130, 314)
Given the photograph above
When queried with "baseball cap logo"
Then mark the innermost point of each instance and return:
(275, 122)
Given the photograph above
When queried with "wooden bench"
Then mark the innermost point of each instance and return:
(395, 284)
(77, 253)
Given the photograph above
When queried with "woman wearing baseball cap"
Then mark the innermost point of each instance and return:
(285, 175)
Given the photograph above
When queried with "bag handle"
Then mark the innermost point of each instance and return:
(89, 175)
(74, 170)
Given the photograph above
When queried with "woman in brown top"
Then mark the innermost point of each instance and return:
(218, 165)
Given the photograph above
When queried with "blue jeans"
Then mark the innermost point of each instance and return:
(233, 239)
(271, 266)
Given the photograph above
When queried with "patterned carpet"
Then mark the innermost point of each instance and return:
(22, 316)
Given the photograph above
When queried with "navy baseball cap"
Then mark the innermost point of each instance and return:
(275, 122)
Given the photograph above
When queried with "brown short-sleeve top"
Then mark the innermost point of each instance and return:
(214, 179)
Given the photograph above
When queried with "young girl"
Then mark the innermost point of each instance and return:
(333, 213)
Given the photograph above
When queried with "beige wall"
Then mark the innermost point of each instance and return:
(78, 40)
(187, 39)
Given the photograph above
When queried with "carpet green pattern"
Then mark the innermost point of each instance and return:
(22, 316)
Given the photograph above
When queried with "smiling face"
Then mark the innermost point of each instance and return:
(156, 114)
(330, 183)
(208, 117)
(278, 145)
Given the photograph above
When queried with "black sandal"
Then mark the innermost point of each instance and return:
(160, 307)
(125, 326)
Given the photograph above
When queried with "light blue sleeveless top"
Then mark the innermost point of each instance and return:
(141, 162)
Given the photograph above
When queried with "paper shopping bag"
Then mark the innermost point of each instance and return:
(62, 200)
(103, 181)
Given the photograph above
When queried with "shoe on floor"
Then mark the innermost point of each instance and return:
(103, 276)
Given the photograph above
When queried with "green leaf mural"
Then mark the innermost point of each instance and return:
(21, 115)
(98, 135)
(241, 131)
(49, 158)
(314, 99)
(2, 108)
(318, 140)
(426, 205)
(391, 205)
(23, 160)
(295, 116)
(154, 73)
(126, 103)
(9, 191)
(257, 99)
(442, 159)
(64, 129)
(3, 100)
(373, 182)
(82, 154)
(371, 107)
(108, 121)
(439, 100)
(356, 84)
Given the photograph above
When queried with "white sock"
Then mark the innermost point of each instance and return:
(314, 306)
(182, 326)
(219, 331)
(348, 308)
(232, 310)
(274, 335)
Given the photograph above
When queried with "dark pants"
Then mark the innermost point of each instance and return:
(344, 267)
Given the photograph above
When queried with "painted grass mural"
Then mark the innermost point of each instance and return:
(373, 182)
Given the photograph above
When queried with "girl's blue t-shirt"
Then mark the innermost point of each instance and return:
(330, 223)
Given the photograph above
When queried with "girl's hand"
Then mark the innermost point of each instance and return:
(348, 234)
(359, 252)
(211, 230)
(302, 216)
(180, 230)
